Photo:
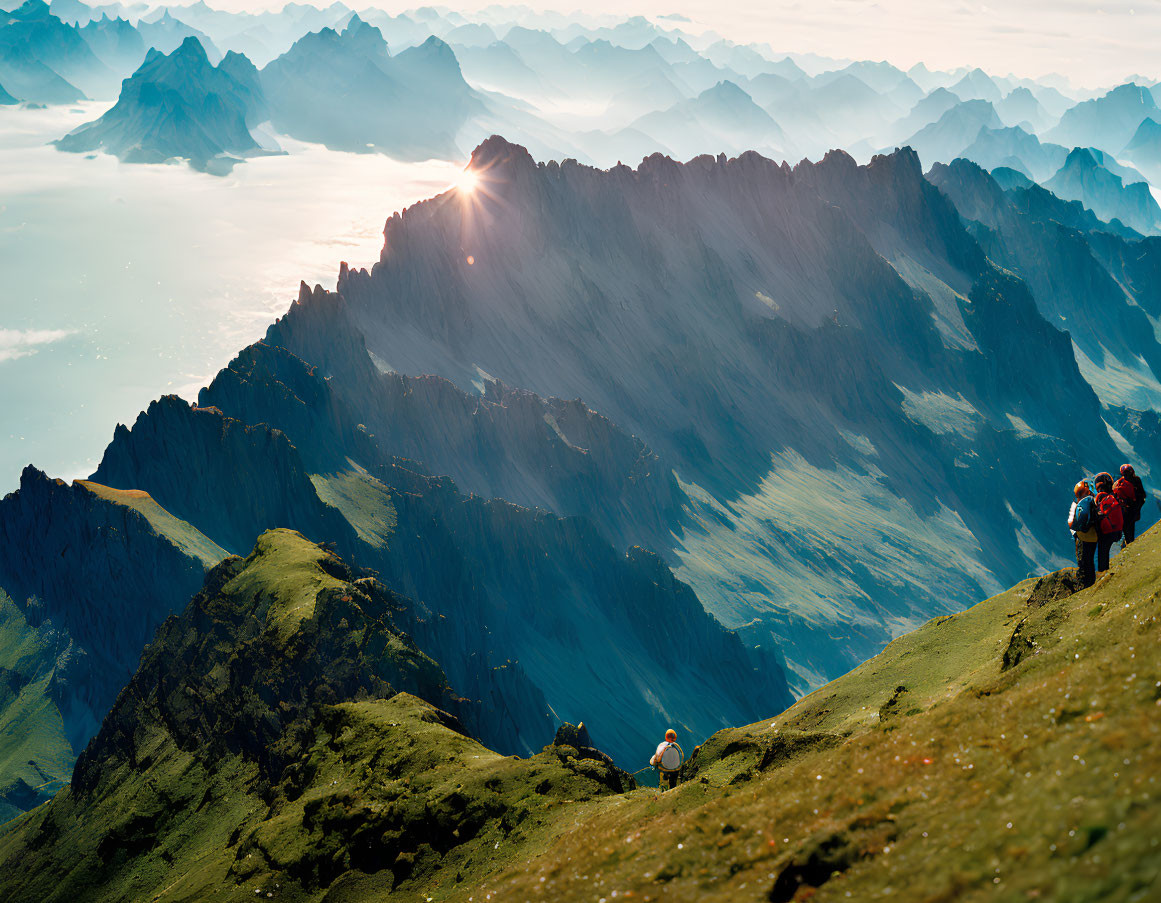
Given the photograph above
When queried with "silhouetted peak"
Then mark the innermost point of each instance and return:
(32, 9)
(1081, 158)
(838, 159)
(32, 475)
(191, 49)
(725, 91)
(496, 153)
(1131, 93)
(905, 161)
(234, 61)
(362, 34)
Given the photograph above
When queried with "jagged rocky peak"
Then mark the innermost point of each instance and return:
(172, 439)
(320, 636)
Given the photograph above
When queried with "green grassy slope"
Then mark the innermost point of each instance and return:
(1020, 762)
(35, 755)
(183, 535)
(1008, 753)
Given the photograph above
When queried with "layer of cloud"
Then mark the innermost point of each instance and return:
(17, 343)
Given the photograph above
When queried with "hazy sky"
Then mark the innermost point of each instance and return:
(1092, 43)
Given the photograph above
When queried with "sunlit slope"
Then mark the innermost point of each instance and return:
(183, 535)
(1019, 763)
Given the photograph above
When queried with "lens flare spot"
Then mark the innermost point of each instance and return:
(467, 181)
(471, 260)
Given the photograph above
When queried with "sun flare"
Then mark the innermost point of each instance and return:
(467, 181)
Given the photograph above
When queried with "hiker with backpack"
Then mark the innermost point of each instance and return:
(1110, 519)
(1082, 521)
(668, 760)
(1131, 491)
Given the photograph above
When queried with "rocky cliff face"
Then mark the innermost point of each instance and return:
(793, 343)
(495, 441)
(1099, 284)
(105, 569)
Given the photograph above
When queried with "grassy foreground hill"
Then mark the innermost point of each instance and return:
(1007, 753)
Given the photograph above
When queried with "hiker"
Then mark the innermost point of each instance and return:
(1082, 521)
(1110, 519)
(1131, 491)
(667, 760)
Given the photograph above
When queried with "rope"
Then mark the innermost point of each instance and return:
(646, 768)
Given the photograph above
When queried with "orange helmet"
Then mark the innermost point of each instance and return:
(671, 735)
(1082, 489)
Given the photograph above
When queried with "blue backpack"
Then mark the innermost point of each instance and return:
(1084, 518)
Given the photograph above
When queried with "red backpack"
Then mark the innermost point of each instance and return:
(1126, 493)
(1111, 515)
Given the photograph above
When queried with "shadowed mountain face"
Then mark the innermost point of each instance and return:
(88, 573)
(37, 664)
(179, 106)
(535, 614)
(817, 353)
(1101, 285)
(345, 90)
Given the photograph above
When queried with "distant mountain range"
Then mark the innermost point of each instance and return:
(42, 60)
(411, 105)
(434, 83)
(1088, 178)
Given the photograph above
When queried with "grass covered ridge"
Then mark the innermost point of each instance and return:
(284, 733)
(1007, 753)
